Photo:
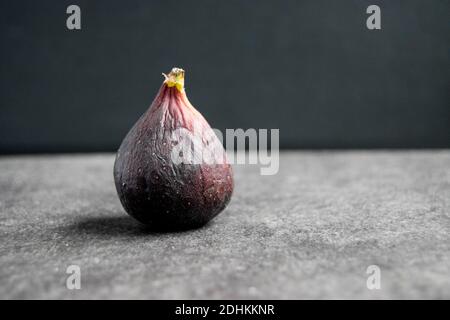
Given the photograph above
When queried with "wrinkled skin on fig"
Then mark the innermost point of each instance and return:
(161, 193)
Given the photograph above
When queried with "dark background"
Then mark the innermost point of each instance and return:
(310, 68)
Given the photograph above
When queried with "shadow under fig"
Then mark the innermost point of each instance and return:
(110, 226)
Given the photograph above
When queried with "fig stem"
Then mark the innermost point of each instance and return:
(175, 78)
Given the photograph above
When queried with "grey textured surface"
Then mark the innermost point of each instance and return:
(308, 232)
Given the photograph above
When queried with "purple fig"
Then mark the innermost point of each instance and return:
(171, 170)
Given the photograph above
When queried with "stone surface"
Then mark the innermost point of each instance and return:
(310, 231)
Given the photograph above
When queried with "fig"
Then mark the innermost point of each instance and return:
(171, 170)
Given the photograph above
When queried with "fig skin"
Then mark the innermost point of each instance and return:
(155, 190)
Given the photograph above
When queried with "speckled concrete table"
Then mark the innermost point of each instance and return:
(310, 231)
